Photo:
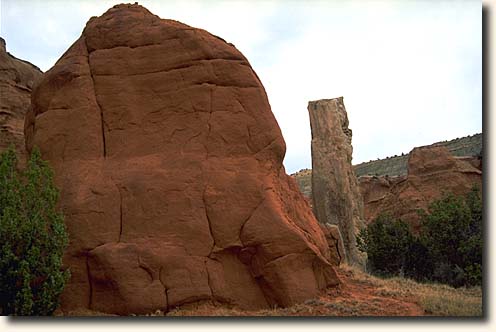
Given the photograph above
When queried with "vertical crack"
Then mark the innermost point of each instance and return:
(249, 217)
(146, 268)
(336, 245)
(205, 188)
(165, 289)
(121, 217)
(208, 220)
(102, 119)
(209, 280)
(120, 214)
(208, 121)
(90, 300)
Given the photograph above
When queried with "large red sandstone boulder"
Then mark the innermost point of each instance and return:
(169, 161)
(17, 78)
(432, 171)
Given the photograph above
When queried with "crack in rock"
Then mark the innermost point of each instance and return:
(102, 119)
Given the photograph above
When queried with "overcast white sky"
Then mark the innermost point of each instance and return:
(410, 71)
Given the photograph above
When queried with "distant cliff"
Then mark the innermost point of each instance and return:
(432, 172)
(397, 165)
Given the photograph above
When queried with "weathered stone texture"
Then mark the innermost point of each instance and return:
(335, 191)
(17, 78)
(169, 160)
(432, 171)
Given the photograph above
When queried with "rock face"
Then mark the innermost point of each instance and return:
(432, 171)
(17, 78)
(169, 161)
(374, 189)
(335, 242)
(335, 191)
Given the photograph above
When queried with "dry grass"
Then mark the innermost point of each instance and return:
(435, 299)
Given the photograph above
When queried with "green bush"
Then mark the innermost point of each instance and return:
(452, 231)
(418, 261)
(386, 242)
(447, 250)
(32, 238)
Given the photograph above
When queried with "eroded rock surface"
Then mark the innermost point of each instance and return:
(374, 189)
(335, 192)
(169, 161)
(335, 242)
(17, 78)
(432, 171)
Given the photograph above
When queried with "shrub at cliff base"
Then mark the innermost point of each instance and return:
(32, 238)
(447, 250)
(452, 232)
(386, 242)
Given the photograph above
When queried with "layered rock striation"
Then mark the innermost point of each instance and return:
(17, 78)
(335, 192)
(169, 161)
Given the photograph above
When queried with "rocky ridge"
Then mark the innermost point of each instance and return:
(398, 165)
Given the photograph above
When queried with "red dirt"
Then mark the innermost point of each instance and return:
(366, 295)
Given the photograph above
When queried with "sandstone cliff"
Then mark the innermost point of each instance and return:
(17, 78)
(335, 193)
(169, 161)
(432, 171)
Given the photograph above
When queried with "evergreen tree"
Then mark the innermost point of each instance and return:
(452, 231)
(447, 250)
(32, 237)
(386, 242)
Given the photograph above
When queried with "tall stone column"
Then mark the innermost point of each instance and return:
(335, 190)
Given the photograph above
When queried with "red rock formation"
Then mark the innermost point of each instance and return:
(17, 78)
(432, 171)
(169, 162)
(374, 189)
(335, 242)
